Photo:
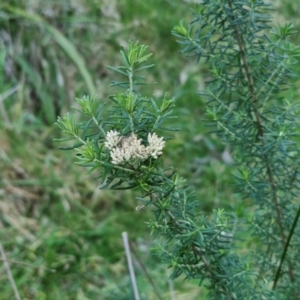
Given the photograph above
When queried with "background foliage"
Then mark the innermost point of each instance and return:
(51, 213)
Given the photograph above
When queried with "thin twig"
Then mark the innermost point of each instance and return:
(130, 266)
(171, 288)
(145, 270)
(9, 274)
(286, 247)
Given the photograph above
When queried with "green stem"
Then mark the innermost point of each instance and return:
(115, 166)
(130, 77)
(131, 80)
(99, 126)
(79, 139)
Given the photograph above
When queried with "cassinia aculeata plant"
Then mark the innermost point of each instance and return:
(250, 109)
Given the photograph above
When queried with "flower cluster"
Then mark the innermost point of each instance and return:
(130, 148)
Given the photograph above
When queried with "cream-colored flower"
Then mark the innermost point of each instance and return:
(156, 145)
(130, 148)
(112, 139)
(119, 155)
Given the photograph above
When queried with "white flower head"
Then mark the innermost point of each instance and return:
(112, 139)
(156, 145)
(130, 148)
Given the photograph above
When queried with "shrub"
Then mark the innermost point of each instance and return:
(251, 109)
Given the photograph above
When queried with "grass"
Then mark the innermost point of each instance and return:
(53, 216)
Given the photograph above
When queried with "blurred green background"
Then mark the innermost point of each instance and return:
(52, 214)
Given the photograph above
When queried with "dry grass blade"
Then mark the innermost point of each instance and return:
(130, 266)
(9, 274)
(61, 40)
